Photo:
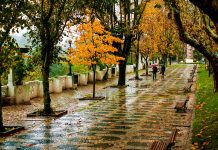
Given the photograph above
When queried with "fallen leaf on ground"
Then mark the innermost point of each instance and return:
(199, 106)
(206, 143)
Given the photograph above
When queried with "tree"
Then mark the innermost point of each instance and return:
(145, 50)
(138, 37)
(7, 53)
(209, 7)
(93, 46)
(121, 18)
(152, 26)
(158, 31)
(10, 20)
(197, 38)
(47, 21)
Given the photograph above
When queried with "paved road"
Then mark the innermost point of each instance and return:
(129, 118)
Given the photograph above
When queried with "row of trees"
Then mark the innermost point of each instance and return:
(159, 35)
(197, 23)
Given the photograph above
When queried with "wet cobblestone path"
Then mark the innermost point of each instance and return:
(129, 118)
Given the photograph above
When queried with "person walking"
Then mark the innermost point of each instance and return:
(154, 70)
(163, 69)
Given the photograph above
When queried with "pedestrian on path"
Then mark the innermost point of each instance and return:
(163, 69)
(154, 71)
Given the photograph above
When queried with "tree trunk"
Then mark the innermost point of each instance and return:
(177, 59)
(47, 99)
(146, 69)
(70, 69)
(209, 7)
(94, 72)
(215, 75)
(137, 59)
(2, 128)
(131, 58)
(106, 74)
(209, 69)
(158, 60)
(137, 64)
(170, 60)
(124, 53)
(122, 73)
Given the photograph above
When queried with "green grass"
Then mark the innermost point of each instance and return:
(205, 127)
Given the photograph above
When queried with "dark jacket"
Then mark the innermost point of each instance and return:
(163, 68)
(154, 69)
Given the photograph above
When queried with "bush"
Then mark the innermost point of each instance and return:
(59, 69)
(80, 68)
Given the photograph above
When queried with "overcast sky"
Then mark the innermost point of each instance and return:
(22, 41)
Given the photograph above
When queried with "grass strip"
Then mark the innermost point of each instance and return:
(205, 127)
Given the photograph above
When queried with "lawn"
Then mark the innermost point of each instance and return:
(205, 127)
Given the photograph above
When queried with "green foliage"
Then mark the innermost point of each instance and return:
(58, 70)
(61, 69)
(34, 73)
(131, 59)
(206, 119)
(23, 66)
(4, 79)
(49, 28)
(101, 65)
(158, 6)
(197, 56)
(80, 68)
(10, 19)
(7, 55)
(19, 71)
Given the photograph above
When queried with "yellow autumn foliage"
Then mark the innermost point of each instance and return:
(159, 31)
(94, 45)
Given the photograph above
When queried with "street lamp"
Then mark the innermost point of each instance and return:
(70, 65)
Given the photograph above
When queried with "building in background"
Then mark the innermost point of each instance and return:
(189, 50)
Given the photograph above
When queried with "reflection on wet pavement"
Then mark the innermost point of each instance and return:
(129, 118)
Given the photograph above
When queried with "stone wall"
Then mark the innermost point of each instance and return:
(24, 93)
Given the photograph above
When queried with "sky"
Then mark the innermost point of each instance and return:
(19, 37)
(23, 42)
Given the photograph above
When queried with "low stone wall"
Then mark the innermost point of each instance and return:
(22, 94)
(109, 73)
(32, 89)
(129, 68)
(69, 82)
(100, 74)
(83, 79)
(90, 77)
(57, 85)
(62, 81)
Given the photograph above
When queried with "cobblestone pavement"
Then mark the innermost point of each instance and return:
(129, 118)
